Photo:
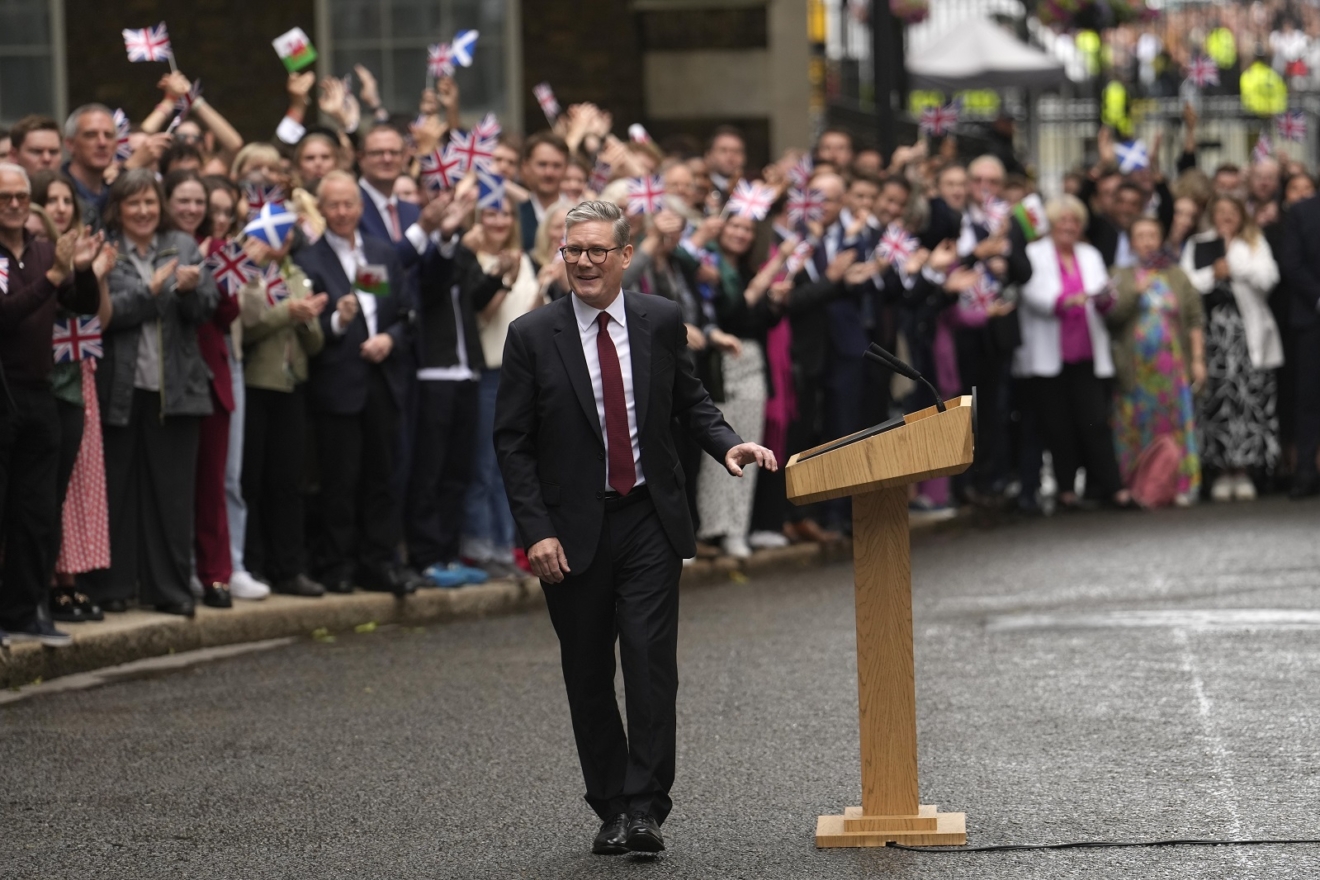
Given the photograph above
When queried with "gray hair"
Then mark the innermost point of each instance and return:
(1065, 204)
(71, 124)
(11, 168)
(600, 212)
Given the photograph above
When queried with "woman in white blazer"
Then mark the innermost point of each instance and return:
(1238, 423)
(1065, 359)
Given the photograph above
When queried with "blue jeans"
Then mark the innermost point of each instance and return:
(235, 507)
(488, 531)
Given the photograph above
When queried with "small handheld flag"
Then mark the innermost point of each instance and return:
(1132, 156)
(601, 174)
(439, 60)
(804, 205)
(751, 200)
(895, 245)
(272, 225)
(123, 149)
(488, 129)
(1203, 71)
(996, 212)
(1030, 215)
(490, 190)
(232, 268)
(183, 106)
(295, 50)
(77, 338)
(259, 196)
(276, 290)
(1263, 150)
(373, 279)
(800, 173)
(470, 150)
(1292, 126)
(981, 295)
(936, 121)
(798, 258)
(638, 134)
(545, 96)
(462, 46)
(440, 170)
(646, 195)
(148, 44)
(4, 275)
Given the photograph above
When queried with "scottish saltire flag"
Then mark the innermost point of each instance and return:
(936, 121)
(232, 268)
(800, 173)
(4, 275)
(646, 195)
(751, 200)
(1292, 126)
(545, 96)
(272, 225)
(462, 47)
(805, 204)
(439, 60)
(490, 189)
(77, 338)
(1132, 156)
(471, 151)
(123, 149)
(259, 196)
(440, 169)
(1203, 71)
(276, 290)
(148, 44)
(895, 245)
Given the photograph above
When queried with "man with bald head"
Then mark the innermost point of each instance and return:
(355, 393)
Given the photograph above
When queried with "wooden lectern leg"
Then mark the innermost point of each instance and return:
(886, 684)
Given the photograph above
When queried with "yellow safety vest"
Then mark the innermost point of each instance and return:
(1222, 47)
(1114, 109)
(1263, 91)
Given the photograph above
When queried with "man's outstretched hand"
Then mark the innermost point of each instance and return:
(749, 453)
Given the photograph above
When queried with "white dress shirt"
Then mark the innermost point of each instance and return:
(414, 233)
(587, 332)
(351, 257)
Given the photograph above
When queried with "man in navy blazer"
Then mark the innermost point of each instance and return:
(1299, 264)
(356, 390)
(384, 216)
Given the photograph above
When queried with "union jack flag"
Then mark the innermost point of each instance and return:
(638, 134)
(981, 295)
(751, 200)
(183, 106)
(895, 245)
(259, 196)
(601, 174)
(936, 121)
(996, 212)
(798, 257)
(1263, 149)
(488, 129)
(232, 268)
(646, 195)
(1203, 71)
(800, 173)
(148, 44)
(545, 96)
(276, 290)
(77, 338)
(1292, 126)
(805, 204)
(4, 274)
(441, 170)
(123, 150)
(439, 60)
(470, 150)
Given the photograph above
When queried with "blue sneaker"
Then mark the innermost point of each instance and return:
(41, 631)
(454, 575)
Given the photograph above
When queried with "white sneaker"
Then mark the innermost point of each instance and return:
(1244, 489)
(767, 540)
(1182, 499)
(736, 546)
(1222, 489)
(244, 586)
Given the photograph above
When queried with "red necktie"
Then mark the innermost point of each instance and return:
(622, 471)
(395, 232)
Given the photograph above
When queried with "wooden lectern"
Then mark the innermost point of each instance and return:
(876, 468)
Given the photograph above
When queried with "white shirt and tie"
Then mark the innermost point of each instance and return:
(351, 257)
(588, 329)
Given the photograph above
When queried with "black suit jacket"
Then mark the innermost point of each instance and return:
(339, 375)
(548, 434)
(1299, 262)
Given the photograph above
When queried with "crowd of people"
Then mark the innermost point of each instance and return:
(170, 435)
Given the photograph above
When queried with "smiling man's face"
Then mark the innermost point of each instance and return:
(597, 285)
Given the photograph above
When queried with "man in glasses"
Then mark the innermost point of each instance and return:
(590, 385)
(35, 278)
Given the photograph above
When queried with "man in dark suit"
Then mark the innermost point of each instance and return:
(355, 392)
(1299, 265)
(384, 216)
(544, 161)
(590, 385)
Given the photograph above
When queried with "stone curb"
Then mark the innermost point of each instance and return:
(137, 635)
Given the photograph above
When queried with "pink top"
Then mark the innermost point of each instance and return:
(1074, 333)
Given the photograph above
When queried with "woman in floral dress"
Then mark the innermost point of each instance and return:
(1156, 326)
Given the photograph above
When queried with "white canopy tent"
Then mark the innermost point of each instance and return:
(978, 54)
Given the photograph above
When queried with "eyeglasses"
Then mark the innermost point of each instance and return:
(382, 154)
(18, 198)
(596, 255)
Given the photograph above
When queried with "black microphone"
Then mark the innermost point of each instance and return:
(885, 359)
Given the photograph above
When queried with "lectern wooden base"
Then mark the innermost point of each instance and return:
(928, 828)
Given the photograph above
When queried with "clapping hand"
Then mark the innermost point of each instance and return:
(86, 248)
(347, 309)
(186, 278)
(303, 310)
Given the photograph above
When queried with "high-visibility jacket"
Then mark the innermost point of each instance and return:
(1263, 91)
(1116, 110)
(1222, 47)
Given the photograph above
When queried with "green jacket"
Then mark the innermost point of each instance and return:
(1122, 321)
(275, 348)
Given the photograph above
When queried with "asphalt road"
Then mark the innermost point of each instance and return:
(1107, 676)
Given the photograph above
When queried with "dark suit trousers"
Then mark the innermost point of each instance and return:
(628, 594)
(1073, 408)
(150, 474)
(358, 513)
(214, 564)
(441, 469)
(29, 490)
(274, 449)
(1306, 353)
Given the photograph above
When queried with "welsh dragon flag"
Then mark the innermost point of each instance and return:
(294, 49)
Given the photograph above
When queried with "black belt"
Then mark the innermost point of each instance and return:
(615, 501)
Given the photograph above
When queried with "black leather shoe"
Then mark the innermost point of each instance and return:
(301, 585)
(643, 833)
(89, 609)
(64, 606)
(183, 609)
(384, 579)
(216, 595)
(1304, 487)
(611, 840)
